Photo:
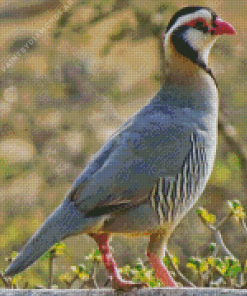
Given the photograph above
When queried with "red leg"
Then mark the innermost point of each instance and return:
(103, 243)
(161, 271)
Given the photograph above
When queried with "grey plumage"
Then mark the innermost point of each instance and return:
(148, 175)
(149, 148)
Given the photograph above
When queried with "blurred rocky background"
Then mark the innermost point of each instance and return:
(70, 73)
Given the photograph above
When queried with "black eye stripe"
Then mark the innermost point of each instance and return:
(214, 19)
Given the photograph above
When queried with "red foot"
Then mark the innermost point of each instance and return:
(117, 282)
(160, 271)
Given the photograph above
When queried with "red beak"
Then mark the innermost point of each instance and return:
(222, 27)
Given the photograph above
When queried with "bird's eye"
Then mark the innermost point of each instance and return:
(201, 25)
(198, 25)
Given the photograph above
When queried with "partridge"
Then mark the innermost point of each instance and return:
(154, 168)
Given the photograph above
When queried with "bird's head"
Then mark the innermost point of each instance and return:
(192, 31)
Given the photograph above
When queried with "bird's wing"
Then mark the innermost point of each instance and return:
(126, 168)
(96, 162)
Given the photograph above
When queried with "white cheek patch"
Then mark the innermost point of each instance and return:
(200, 42)
(195, 38)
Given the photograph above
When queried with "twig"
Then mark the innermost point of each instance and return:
(108, 281)
(69, 284)
(25, 286)
(91, 282)
(244, 225)
(93, 276)
(231, 136)
(50, 271)
(219, 240)
(4, 280)
(220, 223)
(181, 277)
(221, 243)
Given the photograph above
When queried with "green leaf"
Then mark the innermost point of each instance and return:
(212, 247)
(195, 261)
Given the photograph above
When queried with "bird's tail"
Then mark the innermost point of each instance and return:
(66, 220)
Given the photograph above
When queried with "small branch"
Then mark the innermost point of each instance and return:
(93, 276)
(108, 282)
(221, 243)
(6, 284)
(92, 283)
(219, 239)
(231, 136)
(244, 225)
(25, 286)
(240, 277)
(219, 224)
(69, 284)
(181, 277)
(50, 271)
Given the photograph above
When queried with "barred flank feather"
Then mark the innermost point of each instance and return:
(171, 196)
